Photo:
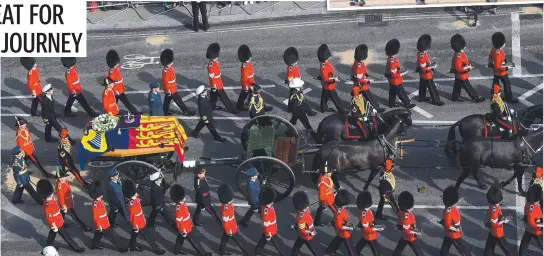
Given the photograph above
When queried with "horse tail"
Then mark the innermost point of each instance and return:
(450, 147)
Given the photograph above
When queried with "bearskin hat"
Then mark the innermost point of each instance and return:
(225, 193)
(424, 43)
(534, 194)
(406, 201)
(364, 200)
(68, 62)
(498, 39)
(177, 193)
(95, 190)
(392, 47)
(268, 195)
(244, 53)
(494, 195)
(300, 200)
(361, 52)
(27, 62)
(20, 121)
(323, 53)
(342, 198)
(290, 56)
(112, 58)
(167, 57)
(457, 42)
(129, 188)
(213, 51)
(384, 187)
(44, 188)
(450, 196)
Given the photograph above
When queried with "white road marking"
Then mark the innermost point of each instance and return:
(520, 203)
(307, 90)
(188, 96)
(523, 97)
(516, 44)
(418, 109)
(192, 90)
(449, 79)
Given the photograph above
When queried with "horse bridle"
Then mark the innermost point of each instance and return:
(525, 154)
(387, 147)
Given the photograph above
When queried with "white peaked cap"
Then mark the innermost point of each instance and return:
(200, 89)
(296, 83)
(47, 87)
(155, 176)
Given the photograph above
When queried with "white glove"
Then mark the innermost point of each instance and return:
(374, 111)
(365, 118)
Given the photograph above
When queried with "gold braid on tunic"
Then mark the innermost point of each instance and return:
(258, 106)
(498, 100)
(359, 104)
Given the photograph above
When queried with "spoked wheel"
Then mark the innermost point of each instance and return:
(272, 172)
(282, 128)
(138, 171)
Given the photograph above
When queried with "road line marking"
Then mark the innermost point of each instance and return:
(448, 79)
(11, 114)
(516, 44)
(532, 91)
(418, 109)
(520, 203)
(188, 96)
(433, 122)
(16, 97)
(525, 102)
(307, 90)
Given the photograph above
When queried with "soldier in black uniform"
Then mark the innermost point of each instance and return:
(206, 118)
(64, 150)
(298, 106)
(48, 113)
(256, 102)
(202, 198)
(158, 189)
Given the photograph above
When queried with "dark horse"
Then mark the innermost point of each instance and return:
(529, 115)
(360, 155)
(505, 154)
(333, 126)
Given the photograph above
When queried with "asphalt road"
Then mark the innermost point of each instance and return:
(24, 232)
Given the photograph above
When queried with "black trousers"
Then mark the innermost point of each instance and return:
(252, 210)
(82, 101)
(67, 162)
(506, 85)
(392, 203)
(369, 97)
(335, 244)
(242, 97)
(463, 84)
(34, 106)
(374, 246)
(74, 216)
(298, 244)
(425, 85)
(225, 239)
(38, 165)
(114, 210)
(123, 97)
(490, 244)
(178, 248)
(332, 95)
(319, 214)
(403, 243)
(110, 235)
(177, 99)
(446, 245)
(166, 216)
(211, 127)
(49, 124)
(18, 193)
(307, 107)
(398, 90)
(222, 95)
(526, 240)
(67, 238)
(301, 115)
(262, 242)
(203, 11)
(208, 208)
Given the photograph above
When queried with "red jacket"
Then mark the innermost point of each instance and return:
(424, 64)
(305, 225)
(100, 215)
(169, 84)
(109, 103)
(64, 195)
(229, 221)
(367, 223)
(325, 188)
(33, 82)
(52, 213)
(118, 85)
(407, 220)
(72, 81)
(341, 219)
(24, 141)
(292, 72)
(494, 214)
(136, 214)
(458, 63)
(358, 70)
(247, 77)
(497, 59)
(392, 71)
(327, 73)
(268, 215)
(183, 219)
(452, 218)
(533, 213)
(214, 74)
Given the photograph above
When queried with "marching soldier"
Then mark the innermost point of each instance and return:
(183, 224)
(100, 219)
(112, 59)
(290, 57)
(109, 103)
(533, 219)
(66, 200)
(49, 115)
(426, 69)
(368, 227)
(501, 112)
(116, 198)
(498, 62)
(326, 193)
(461, 67)
(206, 116)
(360, 78)
(155, 101)
(230, 229)
(496, 223)
(158, 189)
(24, 142)
(22, 178)
(256, 102)
(328, 81)
(253, 196)
(342, 225)
(247, 76)
(53, 216)
(407, 224)
(169, 85)
(216, 83)
(75, 91)
(394, 75)
(305, 224)
(33, 82)
(203, 198)
(386, 189)
(66, 161)
(452, 223)
(137, 218)
(299, 105)
(270, 227)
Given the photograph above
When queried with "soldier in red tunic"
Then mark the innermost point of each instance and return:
(461, 67)
(33, 82)
(498, 62)
(169, 85)
(360, 78)
(342, 226)
(112, 59)
(216, 83)
(452, 223)
(270, 227)
(66, 199)
(328, 81)
(304, 225)
(366, 223)
(394, 75)
(533, 219)
(230, 228)
(496, 223)
(24, 142)
(407, 224)
(75, 91)
(425, 69)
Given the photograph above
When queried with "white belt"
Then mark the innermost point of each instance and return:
(103, 216)
(56, 214)
(76, 82)
(227, 219)
(120, 81)
(268, 223)
(139, 214)
(250, 76)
